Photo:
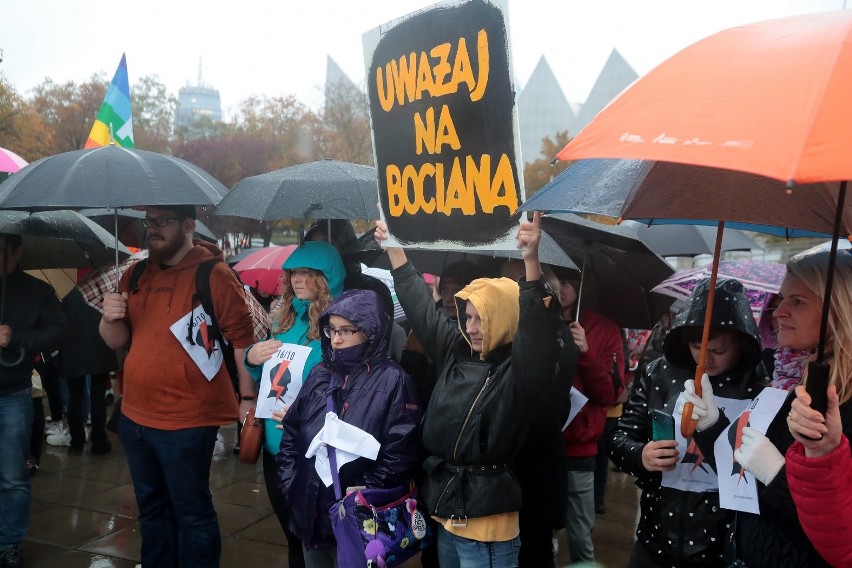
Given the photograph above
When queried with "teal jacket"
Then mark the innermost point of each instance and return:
(321, 256)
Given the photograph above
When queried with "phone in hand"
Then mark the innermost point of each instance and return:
(662, 426)
(817, 385)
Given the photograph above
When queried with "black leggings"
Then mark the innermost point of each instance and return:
(295, 555)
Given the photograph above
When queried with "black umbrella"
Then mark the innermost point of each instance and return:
(111, 177)
(325, 189)
(660, 192)
(618, 269)
(690, 240)
(60, 239)
(130, 229)
(433, 261)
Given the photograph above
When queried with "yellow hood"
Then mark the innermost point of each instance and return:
(496, 300)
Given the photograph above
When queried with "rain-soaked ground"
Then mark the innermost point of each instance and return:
(84, 513)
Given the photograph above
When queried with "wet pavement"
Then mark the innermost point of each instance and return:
(84, 513)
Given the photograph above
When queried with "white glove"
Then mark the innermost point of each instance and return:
(759, 456)
(704, 409)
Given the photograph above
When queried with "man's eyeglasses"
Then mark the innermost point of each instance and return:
(343, 333)
(159, 221)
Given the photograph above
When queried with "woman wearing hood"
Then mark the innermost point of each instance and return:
(493, 370)
(681, 522)
(314, 275)
(369, 391)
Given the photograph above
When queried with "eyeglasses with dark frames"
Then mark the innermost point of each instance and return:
(343, 333)
(159, 221)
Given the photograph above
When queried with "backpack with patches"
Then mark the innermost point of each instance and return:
(201, 295)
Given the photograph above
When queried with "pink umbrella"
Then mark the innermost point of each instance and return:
(759, 278)
(10, 162)
(262, 270)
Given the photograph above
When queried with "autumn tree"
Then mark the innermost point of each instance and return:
(153, 111)
(341, 130)
(22, 130)
(539, 173)
(69, 110)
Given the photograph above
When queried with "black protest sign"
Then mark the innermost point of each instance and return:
(442, 108)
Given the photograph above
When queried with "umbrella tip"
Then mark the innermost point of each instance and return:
(553, 161)
(790, 184)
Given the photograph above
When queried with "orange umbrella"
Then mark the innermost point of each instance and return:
(768, 98)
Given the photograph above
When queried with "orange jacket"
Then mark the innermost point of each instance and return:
(163, 387)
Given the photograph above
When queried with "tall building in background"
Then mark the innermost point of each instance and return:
(199, 108)
(543, 109)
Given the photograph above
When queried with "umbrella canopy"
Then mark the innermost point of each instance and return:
(262, 269)
(97, 283)
(62, 279)
(759, 278)
(770, 98)
(433, 261)
(691, 240)
(325, 189)
(842, 244)
(130, 229)
(665, 192)
(60, 239)
(111, 177)
(10, 162)
(618, 269)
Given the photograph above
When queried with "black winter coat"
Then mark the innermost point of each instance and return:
(378, 398)
(32, 310)
(480, 411)
(85, 353)
(684, 528)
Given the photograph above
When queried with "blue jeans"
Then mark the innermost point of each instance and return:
(16, 416)
(171, 479)
(458, 552)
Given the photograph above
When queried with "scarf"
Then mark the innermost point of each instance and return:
(789, 366)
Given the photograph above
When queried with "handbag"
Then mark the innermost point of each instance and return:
(112, 423)
(731, 560)
(376, 527)
(251, 438)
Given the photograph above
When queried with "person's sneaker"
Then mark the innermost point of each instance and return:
(55, 428)
(11, 557)
(32, 465)
(600, 509)
(60, 440)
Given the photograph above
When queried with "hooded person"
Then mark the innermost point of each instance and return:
(370, 391)
(683, 524)
(492, 371)
(314, 276)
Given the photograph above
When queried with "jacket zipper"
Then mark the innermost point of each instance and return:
(458, 439)
(469, 412)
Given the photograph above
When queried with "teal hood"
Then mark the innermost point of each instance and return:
(321, 256)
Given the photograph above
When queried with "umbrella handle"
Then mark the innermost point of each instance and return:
(687, 424)
(5, 363)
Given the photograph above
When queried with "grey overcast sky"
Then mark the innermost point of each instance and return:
(279, 47)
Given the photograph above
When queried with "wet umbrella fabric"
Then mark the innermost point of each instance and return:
(111, 177)
(324, 189)
(665, 192)
(10, 162)
(691, 240)
(619, 270)
(60, 239)
(760, 279)
(262, 269)
(130, 229)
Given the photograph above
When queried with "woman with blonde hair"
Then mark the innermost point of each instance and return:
(819, 463)
(314, 275)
